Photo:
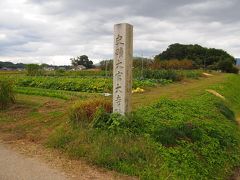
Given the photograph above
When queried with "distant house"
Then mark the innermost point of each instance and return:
(61, 68)
(6, 69)
(79, 68)
(48, 68)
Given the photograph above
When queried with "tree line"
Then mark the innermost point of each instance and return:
(176, 56)
(180, 56)
(12, 65)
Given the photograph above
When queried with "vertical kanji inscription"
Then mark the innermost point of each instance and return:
(122, 68)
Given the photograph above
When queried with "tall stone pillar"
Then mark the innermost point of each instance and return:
(122, 68)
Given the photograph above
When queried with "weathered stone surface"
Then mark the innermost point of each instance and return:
(122, 68)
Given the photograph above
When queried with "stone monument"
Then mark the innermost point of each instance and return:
(122, 68)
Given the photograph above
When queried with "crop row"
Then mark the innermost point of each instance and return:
(173, 75)
(87, 84)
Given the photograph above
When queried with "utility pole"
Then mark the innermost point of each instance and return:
(106, 68)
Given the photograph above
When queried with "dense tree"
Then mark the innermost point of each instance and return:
(201, 56)
(12, 65)
(22, 66)
(82, 60)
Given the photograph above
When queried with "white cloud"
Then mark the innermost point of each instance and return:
(53, 31)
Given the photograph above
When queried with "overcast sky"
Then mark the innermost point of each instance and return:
(52, 31)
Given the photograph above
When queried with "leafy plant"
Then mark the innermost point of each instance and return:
(6, 93)
(100, 119)
(84, 84)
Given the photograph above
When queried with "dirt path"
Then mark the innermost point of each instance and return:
(23, 160)
(187, 88)
(23, 130)
(15, 166)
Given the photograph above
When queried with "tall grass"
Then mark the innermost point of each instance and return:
(174, 75)
(83, 111)
(6, 93)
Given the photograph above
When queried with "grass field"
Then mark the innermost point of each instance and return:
(177, 131)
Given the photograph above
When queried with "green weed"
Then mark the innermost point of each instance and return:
(6, 93)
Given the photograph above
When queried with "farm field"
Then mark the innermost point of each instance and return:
(177, 129)
(125, 90)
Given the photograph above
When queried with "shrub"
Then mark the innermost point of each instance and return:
(227, 66)
(235, 70)
(84, 111)
(172, 64)
(100, 118)
(59, 72)
(116, 122)
(34, 70)
(162, 74)
(6, 93)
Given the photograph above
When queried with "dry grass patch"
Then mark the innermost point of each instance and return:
(215, 93)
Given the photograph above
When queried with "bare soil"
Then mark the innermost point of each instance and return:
(21, 159)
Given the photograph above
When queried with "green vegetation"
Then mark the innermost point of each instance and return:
(85, 73)
(172, 64)
(138, 63)
(178, 131)
(202, 57)
(82, 60)
(11, 73)
(34, 70)
(12, 65)
(137, 73)
(69, 84)
(100, 84)
(227, 66)
(84, 111)
(86, 84)
(61, 94)
(6, 93)
(186, 89)
(227, 88)
(195, 138)
(173, 75)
